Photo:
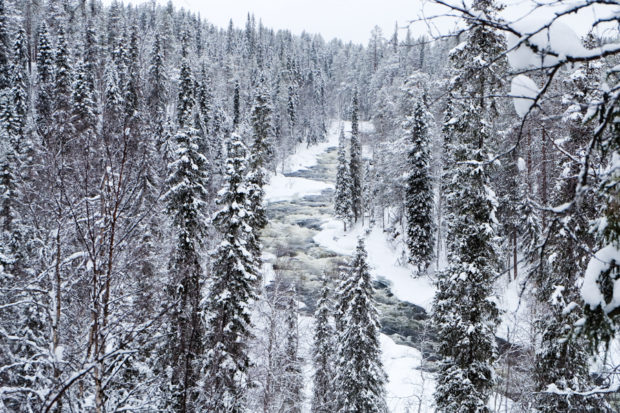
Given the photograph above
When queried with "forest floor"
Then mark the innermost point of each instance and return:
(303, 241)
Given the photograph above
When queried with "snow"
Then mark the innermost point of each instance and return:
(598, 264)
(408, 387)
(286, 188)
(383, 260)
(558, 38)
(306, 156)
(524, 91)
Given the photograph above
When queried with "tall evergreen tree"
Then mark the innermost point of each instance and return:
(562, 359)
(187, 206)
(355, 162)
(232, 289)
(360, 378)
(342, 199)
(293, 379)
(261, 156)
(465, 314)
(323, 350)
(236, 105)
(420, 197)
(5, 47)
(45, 77)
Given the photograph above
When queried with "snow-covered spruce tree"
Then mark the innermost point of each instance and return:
(232, 289)
(62, 92)
(464, 312)
(419, 200)
(45, 78)
(323, 351)
(260, 157)
(5, 47)
(236, 106)
(342, 198)
(292, 375)
(562, 360)
(188, 182)
(355, 162)
(360, 378)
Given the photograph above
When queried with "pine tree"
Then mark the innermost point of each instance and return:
(465, 315)
(188, 182)
(232, 288)
(323, 349)
(342, 199)
(360, 378)
(355, 163)
(419, 197)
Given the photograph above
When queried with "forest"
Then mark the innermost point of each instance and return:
(241, 219)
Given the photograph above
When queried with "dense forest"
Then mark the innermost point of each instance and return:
(139, 149)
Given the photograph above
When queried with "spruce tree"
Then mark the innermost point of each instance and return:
(419, 197)
(342, 199)
(5, 48)
(261, 156)
(236, 106)
(323, 349)
(360, 378)
(562, 360)
(464, 312)
(355, 163)
(231, 291)
(45, 78)
(186, 204)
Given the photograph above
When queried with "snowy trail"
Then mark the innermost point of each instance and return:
(302, 229)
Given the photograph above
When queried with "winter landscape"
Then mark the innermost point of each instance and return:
(239, 216)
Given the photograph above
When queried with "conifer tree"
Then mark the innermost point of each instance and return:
(45, 78)
(562, 359)
(323, 349)
(236, 106)
(360, 378)
(20, 87)
(355, 162)
(342, 199)
(232, 288)
(465, 315)
(188, 182)
(419, 197)
(261, 156)
(5, 47)
(292, 378)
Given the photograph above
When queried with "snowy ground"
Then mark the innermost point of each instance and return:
(286, 188)
(383, 260)
(408, 387)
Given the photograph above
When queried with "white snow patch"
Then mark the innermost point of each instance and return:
(408, 387)
(286, 188)
(524, 91)
(306, 156)
(383, 260)
(590, 290)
